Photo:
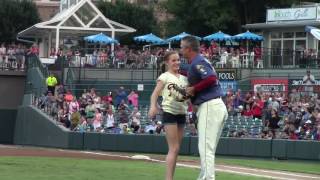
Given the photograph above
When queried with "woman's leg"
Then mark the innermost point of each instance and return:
(172, 137)
(180, 134)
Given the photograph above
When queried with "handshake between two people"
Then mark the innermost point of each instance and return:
(186, 92)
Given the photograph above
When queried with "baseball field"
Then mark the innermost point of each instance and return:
(30, 163)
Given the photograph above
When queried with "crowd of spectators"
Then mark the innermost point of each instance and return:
(293, 116)
(122, 57)
(117, 112)
(13, 56)
(150, 57)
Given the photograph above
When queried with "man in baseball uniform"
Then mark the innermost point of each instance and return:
(205, 92)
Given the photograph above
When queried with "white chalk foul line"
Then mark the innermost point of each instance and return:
(268, 171)
(218, 169)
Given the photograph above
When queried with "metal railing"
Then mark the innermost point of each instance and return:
(34, 62)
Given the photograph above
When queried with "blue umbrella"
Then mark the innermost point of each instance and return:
(149, 38)
(314, 31)
(247, 36)
(100, 38)
(219, 36)
(180, 36)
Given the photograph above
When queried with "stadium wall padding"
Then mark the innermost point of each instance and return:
(7, 121)
(35, 128)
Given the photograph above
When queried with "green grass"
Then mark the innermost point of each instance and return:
(299, 166)
(31, 168)
(311, 167)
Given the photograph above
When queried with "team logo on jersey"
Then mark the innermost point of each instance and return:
(179, 93)
(201, 69)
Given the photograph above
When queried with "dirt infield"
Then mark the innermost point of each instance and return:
(6, 150)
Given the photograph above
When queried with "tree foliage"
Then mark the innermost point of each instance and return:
(140, 18)
(15, 16)
(204, 17)
(198, 17)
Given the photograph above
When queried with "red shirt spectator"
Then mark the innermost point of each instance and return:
(257, 108)
(247, 113)
(257, 53)
(68, 97)
(34, 50)
(293, 136)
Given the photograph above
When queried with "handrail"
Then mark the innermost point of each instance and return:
(34, 62)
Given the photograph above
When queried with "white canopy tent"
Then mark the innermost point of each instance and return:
(81, 19)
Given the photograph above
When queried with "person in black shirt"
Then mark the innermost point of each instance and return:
(273, 122)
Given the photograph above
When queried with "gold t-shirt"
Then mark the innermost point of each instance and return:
(173, 102)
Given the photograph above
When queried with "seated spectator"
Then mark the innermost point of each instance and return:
(68, 97)
(97, 121)
(75, 119)
(274, 103)
(125, 129)
(130, 106)
(120, 96)
(60, 100)
(150, 128)
(90, 110)
(85, 94)
(135, 120)
(96, 99)
(109, 105)
(292, 135)
(63, 117)
(73, 106)
(123, 106)
(273, 122)
(257, 107)
(123, 118)
(133, 97)
(247, 113)
(107, 98)
(108, 119)
(159, 128)
(82, 126)
(60, 89)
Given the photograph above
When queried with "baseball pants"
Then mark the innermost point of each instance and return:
(211, 117)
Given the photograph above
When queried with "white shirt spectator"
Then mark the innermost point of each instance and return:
(150, 128)
(308, 79)
(275, 105)
(109, 121)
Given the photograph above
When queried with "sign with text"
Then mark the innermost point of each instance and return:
(270, 85)
(225, 85)
(140, 87)
(292, 14)
(300, 86)
(226, 74)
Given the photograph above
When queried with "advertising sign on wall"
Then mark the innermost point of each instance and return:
(292, 14)
(225, 85)
(226, 74)
(270, 85)
(227, 79)
(300, 86)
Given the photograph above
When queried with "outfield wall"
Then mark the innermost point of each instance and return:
(11, 91)
(35, 128)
